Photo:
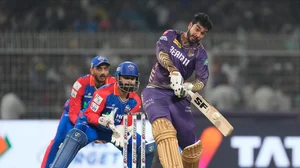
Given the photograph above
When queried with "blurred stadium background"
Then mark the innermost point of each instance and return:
(46, 45)
(253, 49)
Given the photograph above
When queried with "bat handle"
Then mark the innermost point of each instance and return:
(191, 93)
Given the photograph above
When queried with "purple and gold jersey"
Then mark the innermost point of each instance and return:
(186, 59)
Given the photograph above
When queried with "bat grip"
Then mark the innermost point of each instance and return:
(190, 93)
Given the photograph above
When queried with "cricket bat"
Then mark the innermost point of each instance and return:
(210, 112)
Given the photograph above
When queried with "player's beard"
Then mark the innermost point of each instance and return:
(189, 38)
(101, 78)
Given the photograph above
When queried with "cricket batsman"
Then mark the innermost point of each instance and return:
(178, 56)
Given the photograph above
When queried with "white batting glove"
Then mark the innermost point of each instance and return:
(108, 120)
(118, 135)
(176, 82)
(186, 87)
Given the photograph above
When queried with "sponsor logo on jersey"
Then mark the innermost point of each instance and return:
(73, 93)
(191, 53)
(177, 54)
(85, 104)
(98, 99)
(118, 118)
(87, 96)
(77, 86)
(109, 107)
(94, 107)
(177, 43)
(127, 109)
(164, 38)
(206, 62)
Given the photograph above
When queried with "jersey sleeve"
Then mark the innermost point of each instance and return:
(96, 106)
(201, 68)
(163, 44)
(76, 97)
(136, 108)
(163, 47)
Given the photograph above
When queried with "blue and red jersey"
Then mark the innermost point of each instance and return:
(106, 99)
(82, 92)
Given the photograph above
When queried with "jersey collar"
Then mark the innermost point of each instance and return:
(107, 79)
(92, 80)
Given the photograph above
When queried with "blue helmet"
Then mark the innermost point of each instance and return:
(128, 69)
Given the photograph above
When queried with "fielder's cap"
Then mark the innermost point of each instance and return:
(99, 60)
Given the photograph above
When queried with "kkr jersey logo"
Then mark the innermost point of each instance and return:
(177, 54)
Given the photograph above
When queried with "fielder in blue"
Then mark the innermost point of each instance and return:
(103, 118)
(81, 94)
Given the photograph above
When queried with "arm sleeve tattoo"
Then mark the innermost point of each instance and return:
(165, 61)
(197, 85)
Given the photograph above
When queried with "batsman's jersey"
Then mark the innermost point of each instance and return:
(186, 59)
(106, 100)
(82, 92)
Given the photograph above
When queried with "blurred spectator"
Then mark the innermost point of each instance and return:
(141, 15)
(284, 102)
(42, 82)
(264, 99)
(265, 82)
(11, 107)
(224, 96)
(248, 94)
(129, 18)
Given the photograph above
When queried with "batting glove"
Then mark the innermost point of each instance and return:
(184, 89)
(176, 82)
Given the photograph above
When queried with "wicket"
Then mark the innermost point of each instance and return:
(134, 139)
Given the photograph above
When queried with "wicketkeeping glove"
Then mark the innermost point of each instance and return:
(108, 120)
(118, 135)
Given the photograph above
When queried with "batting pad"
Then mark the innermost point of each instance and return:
(191, 155)
(167, 144)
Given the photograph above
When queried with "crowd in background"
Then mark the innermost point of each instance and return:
(39, 84)
(147, 15)
(259, 83)
(43, 82)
